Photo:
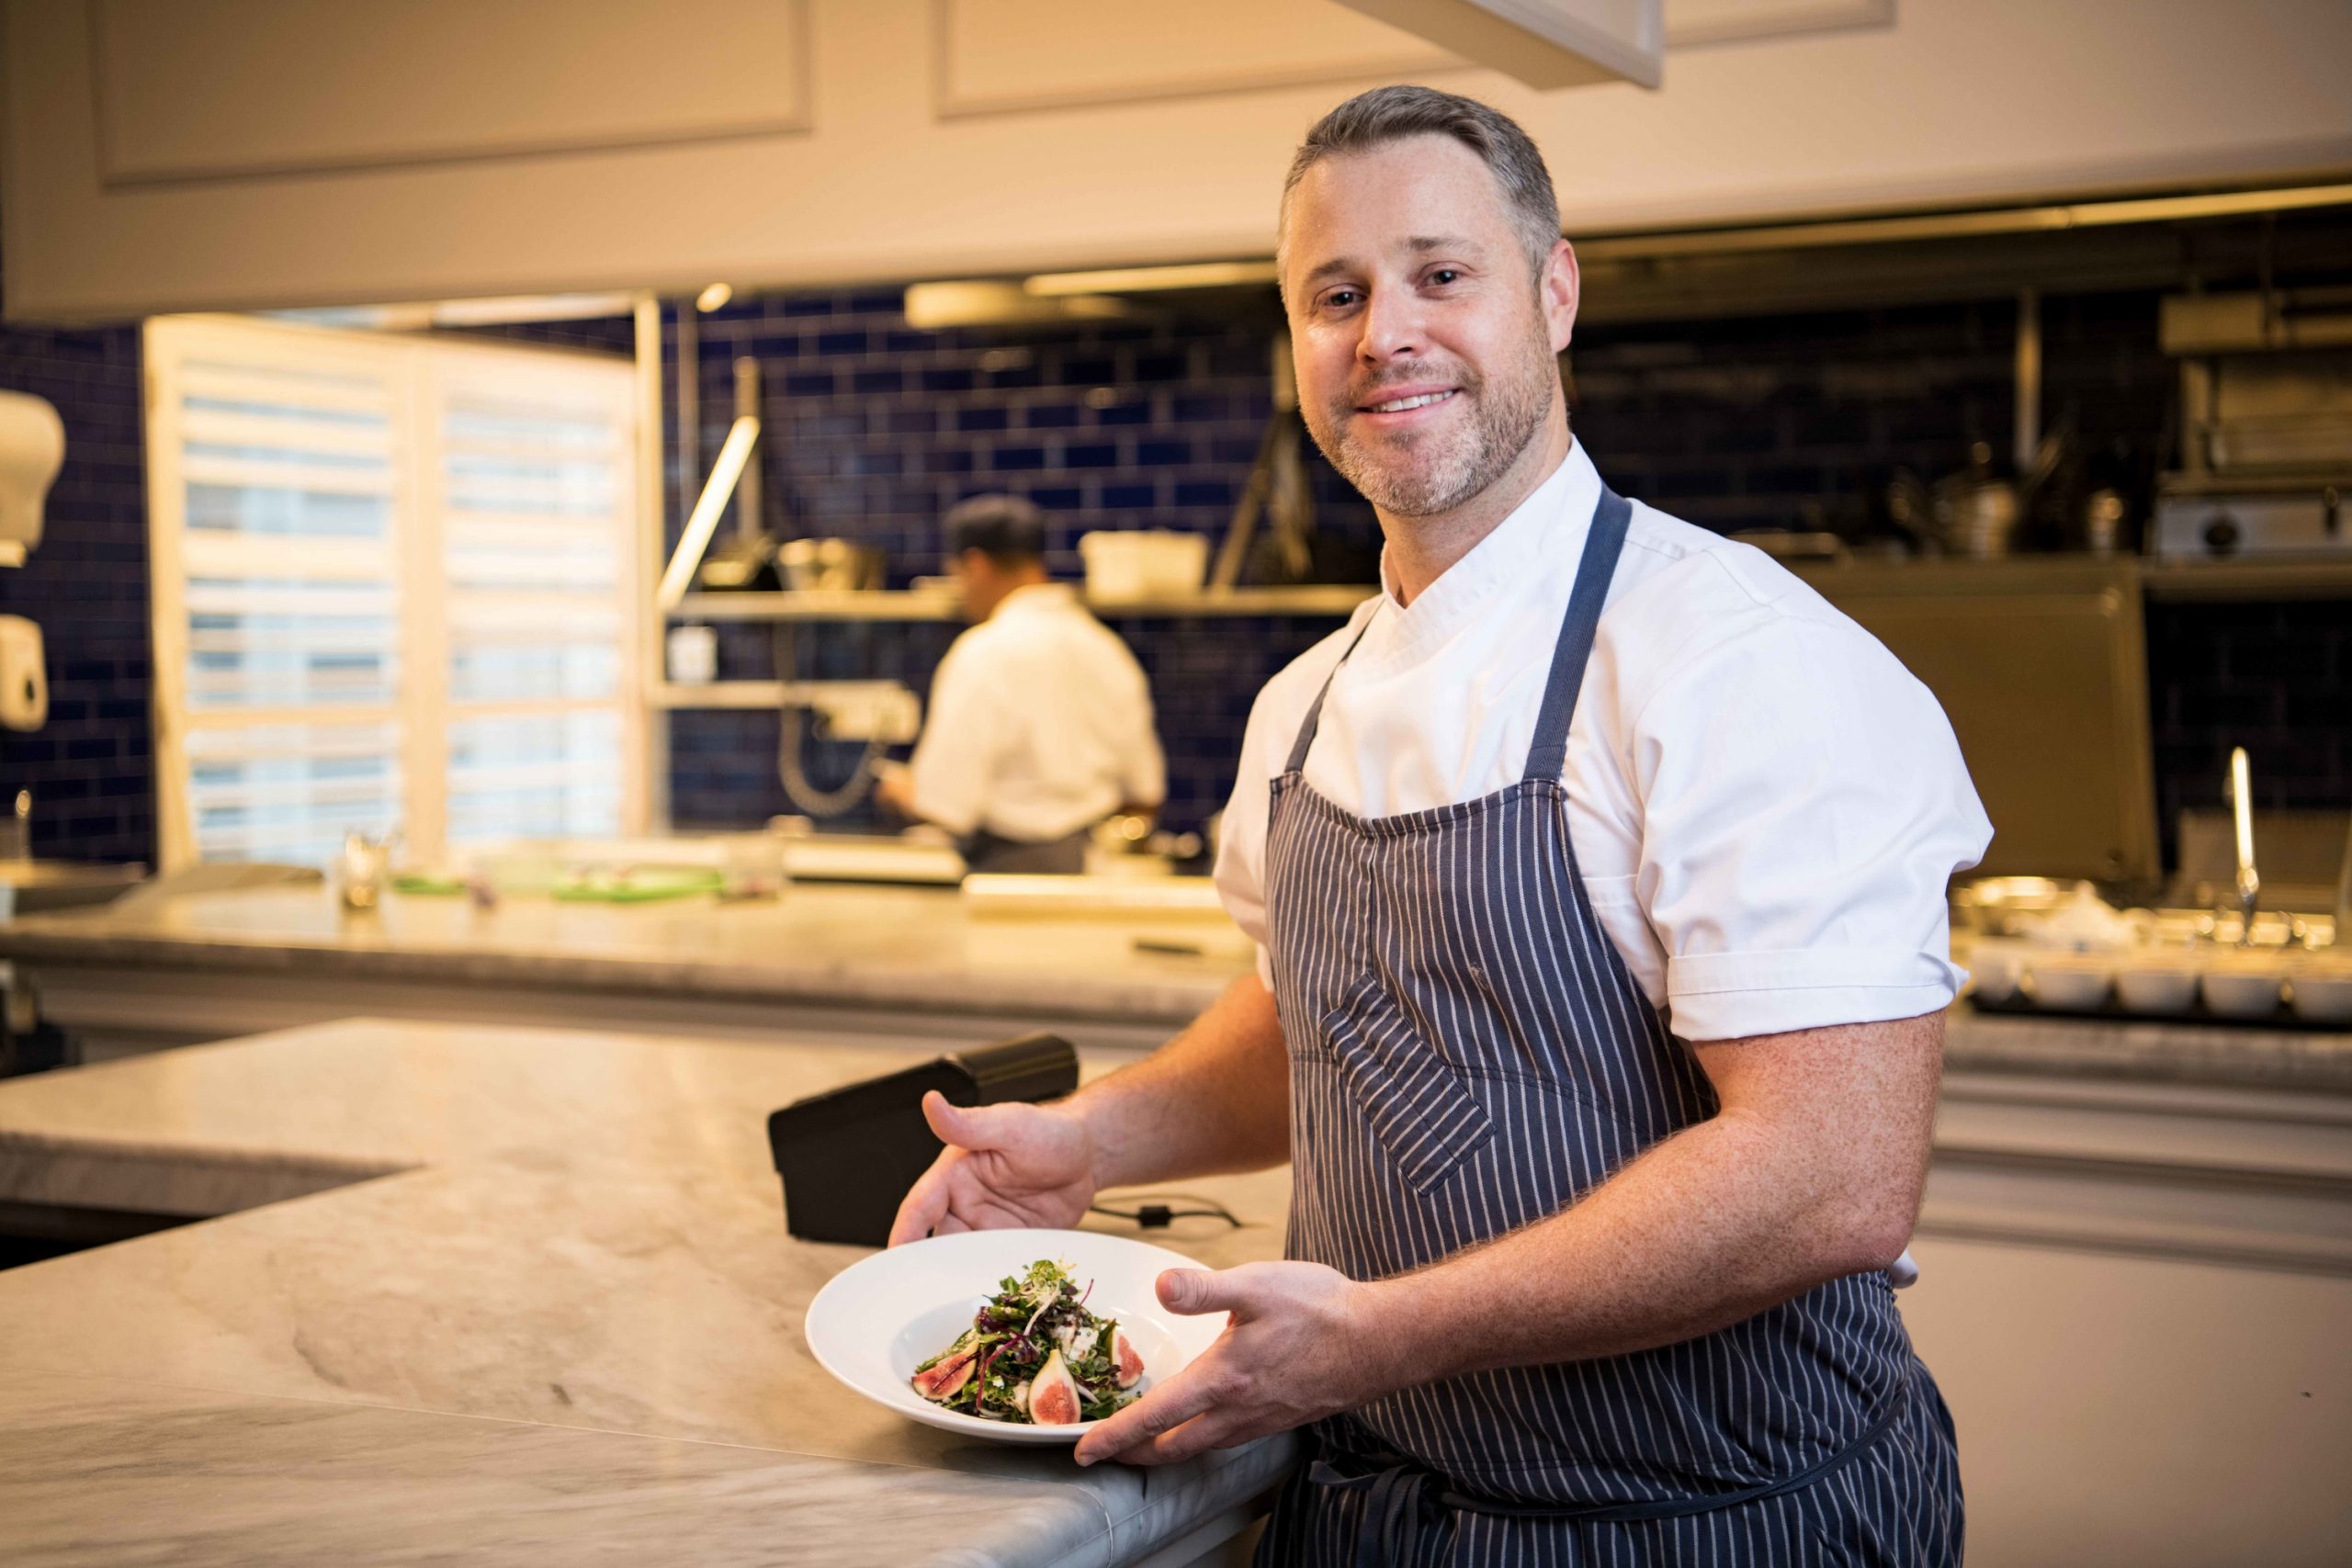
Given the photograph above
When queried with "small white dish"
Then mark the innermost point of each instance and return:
(2157, 990)
(2240, 992)
(877, 1319)
(2065, 986)
(2322, 996)
(1993, 973)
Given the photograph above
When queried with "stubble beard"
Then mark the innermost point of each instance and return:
(1402, 480)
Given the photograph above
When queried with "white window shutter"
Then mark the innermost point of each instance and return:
(392, 585)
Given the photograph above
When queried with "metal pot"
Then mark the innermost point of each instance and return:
(1975, 512)
(830, 564)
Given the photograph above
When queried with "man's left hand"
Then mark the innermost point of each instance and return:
(1298, 1345)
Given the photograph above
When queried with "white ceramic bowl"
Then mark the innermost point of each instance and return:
(1994, 972)
(2322, 995)
(2157, 989)
(2241, 991)
(2068, 985)
(877, 1319)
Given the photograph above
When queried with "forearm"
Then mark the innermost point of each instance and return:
(1709, 1226)
(1214, 1099)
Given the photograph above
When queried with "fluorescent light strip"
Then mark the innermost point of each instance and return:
(724, 473)
(1148, 279)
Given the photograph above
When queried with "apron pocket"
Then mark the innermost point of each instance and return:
(1417, 1105)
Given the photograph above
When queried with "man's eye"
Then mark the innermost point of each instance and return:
(1446, 275)
(1340, 298)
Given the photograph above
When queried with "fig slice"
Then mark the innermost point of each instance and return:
(1127, 1361)
(1053, 1396)
(945, 1378)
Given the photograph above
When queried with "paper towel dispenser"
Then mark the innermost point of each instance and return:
(32, 448)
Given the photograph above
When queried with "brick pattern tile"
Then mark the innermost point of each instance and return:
(1785, 421)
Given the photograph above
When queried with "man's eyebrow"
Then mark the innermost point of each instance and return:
(1420, 244)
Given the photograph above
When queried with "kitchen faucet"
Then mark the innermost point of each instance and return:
(2241, 808)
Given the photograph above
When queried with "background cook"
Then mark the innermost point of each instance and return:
(1040, 723)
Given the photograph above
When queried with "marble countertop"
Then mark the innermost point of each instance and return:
(841, 945)
(923, 950)
(490, 1295)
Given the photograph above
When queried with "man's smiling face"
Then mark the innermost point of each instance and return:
(1424, 337)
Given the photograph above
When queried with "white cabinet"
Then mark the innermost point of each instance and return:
(1544, 44)
(186, 154)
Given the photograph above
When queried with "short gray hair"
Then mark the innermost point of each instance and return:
(1391, 113)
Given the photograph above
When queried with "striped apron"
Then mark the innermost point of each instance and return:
(1468, 1055)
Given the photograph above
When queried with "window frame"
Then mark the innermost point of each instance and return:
(420, 373)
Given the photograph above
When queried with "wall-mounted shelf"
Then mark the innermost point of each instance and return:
(809, 604)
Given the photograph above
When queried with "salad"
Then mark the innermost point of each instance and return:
(1036, 1356)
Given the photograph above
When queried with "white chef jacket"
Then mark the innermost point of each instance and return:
(1040, 724)
(1764, 804)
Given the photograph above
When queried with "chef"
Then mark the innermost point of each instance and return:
(1041, 721)
(1598, 866)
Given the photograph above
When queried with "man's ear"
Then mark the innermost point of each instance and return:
(1558, 289)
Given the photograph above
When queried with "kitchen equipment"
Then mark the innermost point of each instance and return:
(2102, 520)
(833, 566)
(2041, 668)
(16, 828)
(2211, 516)
(847, 1157)
(1062, 897)
(1995, 969)
(634, 883)
(2069, 982)
(747, 562)
(693, 653)
(361, 869)
(1143, 563)
(2247, 988)
(2266, 448)
(2320, 990)
(2249, 882)
(2156, 986)
(1976, 513)
(32, 448)
(24, 675)
(877, 1319)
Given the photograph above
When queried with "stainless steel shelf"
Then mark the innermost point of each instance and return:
(907, 605)
(2320, 577)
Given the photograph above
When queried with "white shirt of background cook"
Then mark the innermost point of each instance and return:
(1040, 724)
(1764, 804)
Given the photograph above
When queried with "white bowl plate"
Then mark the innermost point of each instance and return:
(2067, 988)
(2157, 990)
(2323, 998)
(2254, 995)
(876, 1320)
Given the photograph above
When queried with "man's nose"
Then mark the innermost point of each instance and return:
(1391, 326)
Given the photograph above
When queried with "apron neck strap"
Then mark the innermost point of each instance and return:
(1299, 747)
(1547, 754)
(1604, 541)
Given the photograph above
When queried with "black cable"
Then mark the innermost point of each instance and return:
(1159, 1216)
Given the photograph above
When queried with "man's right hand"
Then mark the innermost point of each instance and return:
(1005, 1166)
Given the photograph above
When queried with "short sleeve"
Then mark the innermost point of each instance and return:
(1804, 806)
(956, 755)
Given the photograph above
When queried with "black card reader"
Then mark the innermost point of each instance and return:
(848, 1155)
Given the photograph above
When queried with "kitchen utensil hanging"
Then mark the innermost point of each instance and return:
(747, 562)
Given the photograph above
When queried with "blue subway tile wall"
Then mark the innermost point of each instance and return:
(2276, 679)
(876, 429)
(1784, 421)
(1780, 421)
(91, 768)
